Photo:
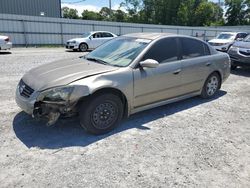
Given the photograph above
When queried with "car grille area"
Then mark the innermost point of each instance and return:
(245, 53)
(24, 89)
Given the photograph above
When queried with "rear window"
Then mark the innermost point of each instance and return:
(192, 48)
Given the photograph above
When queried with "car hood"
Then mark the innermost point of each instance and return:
(242, 44)
(76, 39)
(63, 72)
(221, 40)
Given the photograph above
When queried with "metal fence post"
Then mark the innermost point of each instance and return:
(120, 30)
(24, 33)
(61, 27)
(204, 36)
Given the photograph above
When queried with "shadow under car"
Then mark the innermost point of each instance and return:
(69, 133)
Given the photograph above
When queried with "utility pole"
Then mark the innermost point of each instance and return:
(110, 5)
(110, 10)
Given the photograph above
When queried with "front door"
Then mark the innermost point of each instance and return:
(157, 84)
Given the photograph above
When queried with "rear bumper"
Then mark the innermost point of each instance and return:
(6, 46)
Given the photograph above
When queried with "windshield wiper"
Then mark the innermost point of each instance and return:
(101, 61)
(97, 60)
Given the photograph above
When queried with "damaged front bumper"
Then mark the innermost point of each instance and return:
(48, 110)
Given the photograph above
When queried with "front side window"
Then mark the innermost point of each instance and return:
(247, 38)
(163, 51)
(97, 35)
(119, 51)
(192, 48)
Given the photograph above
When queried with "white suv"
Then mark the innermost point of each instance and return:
(5, 43)
(225, 40)
(89, 40)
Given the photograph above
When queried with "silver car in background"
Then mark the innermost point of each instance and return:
(129, 74)
(240, 53)
(5, 43)
(225, 40)
(89, 40)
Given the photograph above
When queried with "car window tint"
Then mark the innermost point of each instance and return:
(206, 48)
(163, 51)
(107, 35)
(97, 35)
(192, 48)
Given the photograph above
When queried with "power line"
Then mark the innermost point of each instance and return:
(74, 2)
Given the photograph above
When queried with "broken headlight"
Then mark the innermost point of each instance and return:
(59, 94)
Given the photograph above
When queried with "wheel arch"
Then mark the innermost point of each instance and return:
(83, 43)
(114, 91)
(220, 76)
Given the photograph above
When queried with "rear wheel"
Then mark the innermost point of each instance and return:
(83, 47)
(101, 114)
(211, 86)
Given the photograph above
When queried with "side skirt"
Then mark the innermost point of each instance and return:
(161, 103)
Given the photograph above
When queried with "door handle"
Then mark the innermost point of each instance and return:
(208, 64)
(177, 71)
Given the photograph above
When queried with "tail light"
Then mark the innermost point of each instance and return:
(7, 39)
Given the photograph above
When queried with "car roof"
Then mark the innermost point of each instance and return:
(150, 36)
(99, 32)
(234, 33)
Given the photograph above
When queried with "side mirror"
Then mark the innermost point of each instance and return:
(91, 37)
(149, 63)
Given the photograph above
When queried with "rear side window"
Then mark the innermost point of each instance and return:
(107, 35)
(163, 51)
(192, 48)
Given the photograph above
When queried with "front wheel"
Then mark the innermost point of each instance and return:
(211, 86)
(83, 47)
(101, 114)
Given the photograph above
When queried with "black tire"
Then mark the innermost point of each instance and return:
(233, 67)
(211, 86)
(83, 47)
(101, 114)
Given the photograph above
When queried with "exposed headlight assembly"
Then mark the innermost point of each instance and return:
(57, 94)
(63, 94)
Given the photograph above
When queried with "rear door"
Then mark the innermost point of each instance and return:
(106, 37)
(158, 84)
(195, 64)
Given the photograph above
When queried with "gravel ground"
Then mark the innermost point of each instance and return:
(192, 143)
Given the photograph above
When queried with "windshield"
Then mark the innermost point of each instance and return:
(225, 36)
(84, 35)
(119, 52)
(247, 39)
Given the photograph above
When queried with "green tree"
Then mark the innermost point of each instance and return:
(106, 13)
(237, 12)
(91, 15)
(70, 13)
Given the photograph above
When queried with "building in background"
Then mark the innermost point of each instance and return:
(47, 8)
